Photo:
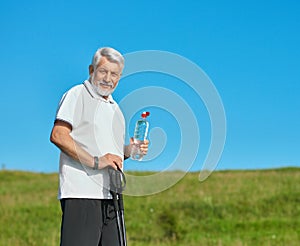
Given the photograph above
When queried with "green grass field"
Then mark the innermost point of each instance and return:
(229, 208)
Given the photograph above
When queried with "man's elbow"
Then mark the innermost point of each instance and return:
(55, 137)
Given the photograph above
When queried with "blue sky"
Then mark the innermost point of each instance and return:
(249, 49)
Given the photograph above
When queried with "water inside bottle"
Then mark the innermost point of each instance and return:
(140, 134)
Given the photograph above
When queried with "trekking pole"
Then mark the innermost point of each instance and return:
(116, 188)
(121, 208)
(118, 217)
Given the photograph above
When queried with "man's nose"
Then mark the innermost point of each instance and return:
(107, 77)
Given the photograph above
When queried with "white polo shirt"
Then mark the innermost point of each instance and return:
(98, 127)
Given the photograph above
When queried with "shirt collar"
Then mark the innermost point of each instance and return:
(91, 91)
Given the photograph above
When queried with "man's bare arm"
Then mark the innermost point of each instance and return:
(60, 136)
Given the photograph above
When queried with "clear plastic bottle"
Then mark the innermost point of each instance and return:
(140, 134)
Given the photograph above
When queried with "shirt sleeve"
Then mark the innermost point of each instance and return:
(67, 106)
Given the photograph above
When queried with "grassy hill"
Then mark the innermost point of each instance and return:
(229, 208)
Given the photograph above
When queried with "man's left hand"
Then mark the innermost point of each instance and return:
(144, 147)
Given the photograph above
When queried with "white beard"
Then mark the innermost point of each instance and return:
(98, 87)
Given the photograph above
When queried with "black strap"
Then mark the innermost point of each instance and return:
(117, 180)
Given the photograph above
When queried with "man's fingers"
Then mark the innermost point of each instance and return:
(112, 160)
(144, 147)
(117, 161)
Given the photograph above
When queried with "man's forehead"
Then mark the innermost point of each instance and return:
(105, 63)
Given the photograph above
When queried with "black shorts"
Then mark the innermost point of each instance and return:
(88, 222)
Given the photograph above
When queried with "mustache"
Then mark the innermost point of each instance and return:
(104, 83)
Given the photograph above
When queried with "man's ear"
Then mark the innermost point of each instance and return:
(91, 69)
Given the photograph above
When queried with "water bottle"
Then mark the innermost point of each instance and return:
(140, 134)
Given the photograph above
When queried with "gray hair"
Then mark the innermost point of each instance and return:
(111, 54)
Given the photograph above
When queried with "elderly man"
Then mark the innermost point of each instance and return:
(89, 130)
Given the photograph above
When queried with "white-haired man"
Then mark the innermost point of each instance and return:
(89, 130)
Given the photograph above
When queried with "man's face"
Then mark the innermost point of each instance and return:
(106, 76)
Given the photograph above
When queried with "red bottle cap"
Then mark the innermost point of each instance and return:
(145, 114)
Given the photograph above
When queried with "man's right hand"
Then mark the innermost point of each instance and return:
(112, 160)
